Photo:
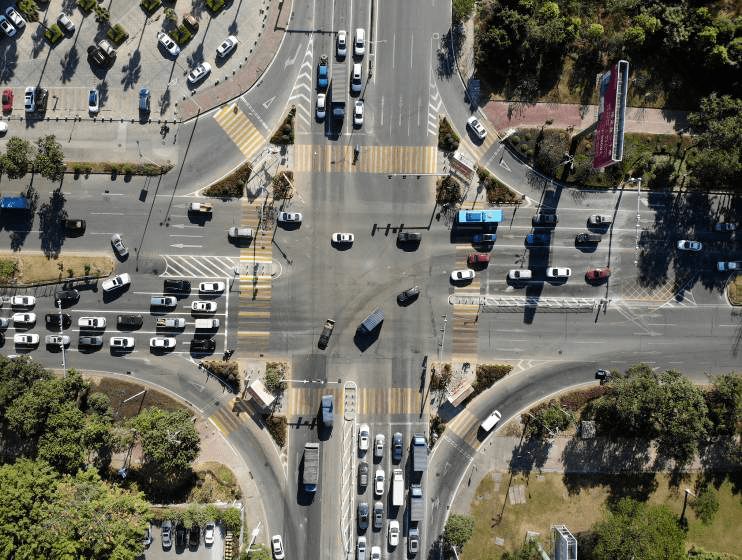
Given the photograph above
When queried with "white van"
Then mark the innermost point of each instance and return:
(359, 45)
(207, 323)
(491, 420)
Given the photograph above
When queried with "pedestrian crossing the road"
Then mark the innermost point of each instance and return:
(301, 401)
(328, 158)
(199, 266)
(239, 129)
(255, 269)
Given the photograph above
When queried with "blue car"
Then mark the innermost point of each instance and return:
(144, 100)
(484, 238)
(538, 239)
(323, 73)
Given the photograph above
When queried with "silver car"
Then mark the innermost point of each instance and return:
(239, 233)
(226, 46)
(118, 244)
(56, 339)
(15, 17)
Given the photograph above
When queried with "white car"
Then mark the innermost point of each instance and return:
(356, 81)
(290, 217)
(6, 26)
(116, 282)
(203, 306)
(462, 275)
(24, 318)
(277, 546)
(363, 435)
(358, 113)
(226, 46)
(118, 243)
(518, 274)
(92, 322)
(558, 272)
(321, 106)
(342, 43)
(599, 220)
(342, 237)
(162, 342)
(122, 342)
(359, 45)
(239, 233)
(375, 553)
(379, 445)
(199, 72)
(30, 98)
(209, 533)
(393, 532)
(26, 339)
(477, 127)
(23, 301)
(66, 23)
(56, 339)
(4, 322)
(163, 301)
(379, 482)
(686, 245)
(361, 548)
(15, 17)
(93, 101)
(168, 43)
(211, 287)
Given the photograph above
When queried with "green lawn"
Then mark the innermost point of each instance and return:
(548, 501)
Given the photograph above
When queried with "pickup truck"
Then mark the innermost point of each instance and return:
(323, 70)
(204, 207)
(171, 323)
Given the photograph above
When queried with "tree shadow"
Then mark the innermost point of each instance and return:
(132, 70)
(69, 63)
(51, 214)
(102, 92)
(196, 57)
(164, 101)
(10, 62)
(529, 455)
(197, 8)
(38, 42)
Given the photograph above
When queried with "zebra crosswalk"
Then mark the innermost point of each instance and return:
(465, 425)
(330, 158)
(465, 316)
(239, 129)
(301, 401)
(198, 266)
(479, 150)
(229, 418)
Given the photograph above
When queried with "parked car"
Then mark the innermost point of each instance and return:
(23, 301)
(321, 106)
(166, 533)
(379, 445)
(171, 285)
(199, 73)
(599, 220)
(545, 220)
(129, 322)
(7, 100)
(363, 437)
(4, 322)
(6, 26)
(144, 100)
(117, 282)
(363, 473)
(90, 341)
(65, 23)
(342, 238)
(168, 43)
(66, 297)
(519, 274)
(74, 226)
(408, 295)
(102, 54)
(194, 536)
(597, 274)
(362, 516)
(163, 301)
(91, 322)
(687, 245)
(587, 238)
(201, 306)
(209, 533)
(462, 275)
(24, 318)
(484, 238)
(477, 259)
(393, 533)
(342, 44)
(118, 244)
(397, 447)
(476, 127)
(409, 237)
(56, 340)
(717, 227)
(191, 22)
(226, 46)
(54, 319)
(211, 287)
(26, 339)
(93, 101)
(162, 342)
(277, 546)
(558, 272)
(122, 342)
(204, 345)
(30, 99)
(239, 233)
(180, 535)
(15, 18)
(290, 217)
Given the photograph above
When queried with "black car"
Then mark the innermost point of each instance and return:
(203, 345)
(177, 286)
(397, 447)
(90, 341)
(363, 473)
(408, 295)
(545, 220)
(42, 95)
(129, 322)
(587, 238)
(363, 516)
(194, 536)
(408, 237)
(67, 296)
(52, 320)
(74, 226)
(180, 535)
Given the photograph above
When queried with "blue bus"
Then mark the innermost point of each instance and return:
(480, 216)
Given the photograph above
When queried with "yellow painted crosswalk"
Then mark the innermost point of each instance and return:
(302, 401)
(465, 316)
(239, 129)
(230, 418)
(328, 158)
(465, 425)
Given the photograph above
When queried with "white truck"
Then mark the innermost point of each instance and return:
(397, 488)
(310, 473)
(202, 207)
(171, 323)
(207, 323)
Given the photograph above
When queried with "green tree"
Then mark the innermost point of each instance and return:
(30, 9)
(634, 37)
(724, 403)
(707, 36)
(528, 551)
(258, 552)
(706, 505)
(549, 421)
(274, 380)
(462, 10)
(16, 376)
(232, 519)
(49, 161)
(648, 23)
(594, 31)
(169, 442)
(61, 444)
(17, 157)
(635, 530)
(458, 530)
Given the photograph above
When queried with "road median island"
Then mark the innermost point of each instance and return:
(23, 269)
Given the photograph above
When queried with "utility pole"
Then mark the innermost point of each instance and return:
(685, 503)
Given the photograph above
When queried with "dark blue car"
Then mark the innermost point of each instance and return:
(538, 239)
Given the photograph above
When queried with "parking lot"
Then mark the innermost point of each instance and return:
(202, 552)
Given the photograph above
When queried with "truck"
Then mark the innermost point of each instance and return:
(171, 323)
(310, 473)
(15, 203)
(419, 453)
(397, 488)
(480, 216)
(207, 323)
(328, 410)
(417, 507)
(339, 90)
(202, 207)
(323, 70)
(324, 338)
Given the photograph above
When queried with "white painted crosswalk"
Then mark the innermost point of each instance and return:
(199, 266)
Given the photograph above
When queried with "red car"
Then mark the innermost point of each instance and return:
(597, 274)
(8, 100)
(478, 258)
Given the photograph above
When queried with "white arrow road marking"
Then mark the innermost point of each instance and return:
(267, 104)
(290, 61)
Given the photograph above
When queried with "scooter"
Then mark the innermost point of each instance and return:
(356, 152)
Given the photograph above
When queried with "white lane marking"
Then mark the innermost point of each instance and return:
(394, 49)
(412, 45)
(382, 111)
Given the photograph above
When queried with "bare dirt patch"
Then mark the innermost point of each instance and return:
(38, 268)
